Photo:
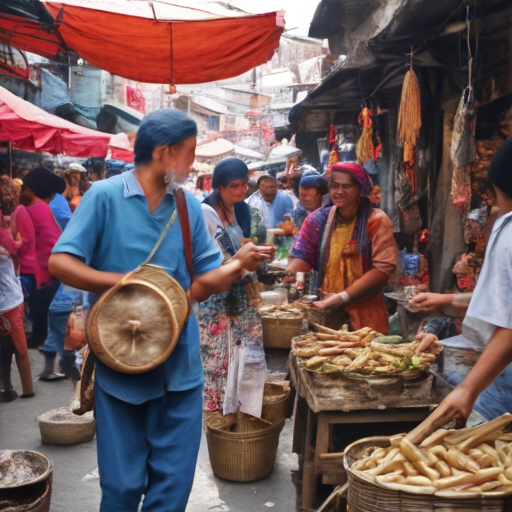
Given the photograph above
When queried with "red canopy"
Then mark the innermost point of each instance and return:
(160, 42)
(30, 36)
(30, 128)
(121, 147)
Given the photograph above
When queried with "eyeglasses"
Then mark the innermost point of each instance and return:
(346, 187)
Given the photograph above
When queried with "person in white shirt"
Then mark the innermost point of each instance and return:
(273, 204)
(489, 317)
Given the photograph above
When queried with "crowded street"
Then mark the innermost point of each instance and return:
(255, 255)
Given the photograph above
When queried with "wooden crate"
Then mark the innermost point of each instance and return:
(325, 392)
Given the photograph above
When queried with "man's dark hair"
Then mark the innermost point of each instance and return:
(95, 165)
(499, 172)
(296, 182)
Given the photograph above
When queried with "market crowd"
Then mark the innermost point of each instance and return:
(63, 242)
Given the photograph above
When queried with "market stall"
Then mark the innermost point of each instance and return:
(353, 382)
(30, 128)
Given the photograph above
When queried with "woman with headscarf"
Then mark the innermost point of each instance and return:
(231, 332)
(352, 247)
(39, 187)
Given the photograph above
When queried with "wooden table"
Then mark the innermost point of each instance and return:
(320, 414)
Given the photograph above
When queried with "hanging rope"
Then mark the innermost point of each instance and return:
(365, 149)
(409, 117)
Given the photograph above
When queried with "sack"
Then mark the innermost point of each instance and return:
(74, 338)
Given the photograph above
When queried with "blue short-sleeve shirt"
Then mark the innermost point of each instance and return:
(113, 231)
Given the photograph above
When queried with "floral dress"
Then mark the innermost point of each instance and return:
(232, 338)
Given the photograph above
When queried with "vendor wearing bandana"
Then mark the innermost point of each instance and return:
(352, 247)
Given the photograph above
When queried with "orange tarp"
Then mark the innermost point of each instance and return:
(30, 36)
(200, 47)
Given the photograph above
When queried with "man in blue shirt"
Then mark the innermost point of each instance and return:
(148, 425)
(61, 210)
(272, 203)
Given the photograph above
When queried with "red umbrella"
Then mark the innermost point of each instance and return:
(30, 128)
(164, 42)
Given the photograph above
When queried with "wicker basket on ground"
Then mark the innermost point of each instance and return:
(365, 496)
(33, 495)
(242, 448)
(278, 332)
(275, 402)
(61, 426)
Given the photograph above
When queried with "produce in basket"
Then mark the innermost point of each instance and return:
(475, 460)
(284, 311)
(365, 352)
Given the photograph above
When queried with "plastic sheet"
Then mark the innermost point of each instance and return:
(247, 375)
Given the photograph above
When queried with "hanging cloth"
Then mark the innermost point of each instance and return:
(463, 150)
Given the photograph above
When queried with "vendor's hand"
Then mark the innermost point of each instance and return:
(457, 406)
(18, 240)
(428, 342)
(329, 300)
(429, 301)
(250, 256)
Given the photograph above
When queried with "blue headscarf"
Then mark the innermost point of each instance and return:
(225, 172)
(162, 128)
(313, 179)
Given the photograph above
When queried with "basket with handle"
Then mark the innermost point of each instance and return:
(135, 325)
(242, 448)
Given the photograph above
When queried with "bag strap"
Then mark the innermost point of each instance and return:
(181, 207)
(182, 211)
(161, 239)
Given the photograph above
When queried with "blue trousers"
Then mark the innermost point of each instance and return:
(57, 323)
(148, 449)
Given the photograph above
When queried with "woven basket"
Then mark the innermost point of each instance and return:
(29, 498)
(61, 426)
(242, 448)
(40, 463)
(275, 402)
(278, 332)
(134, 326)
(365, 496)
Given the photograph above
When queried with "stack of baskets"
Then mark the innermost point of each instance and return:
(33, 495)
(243, 448)
(61, 426)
